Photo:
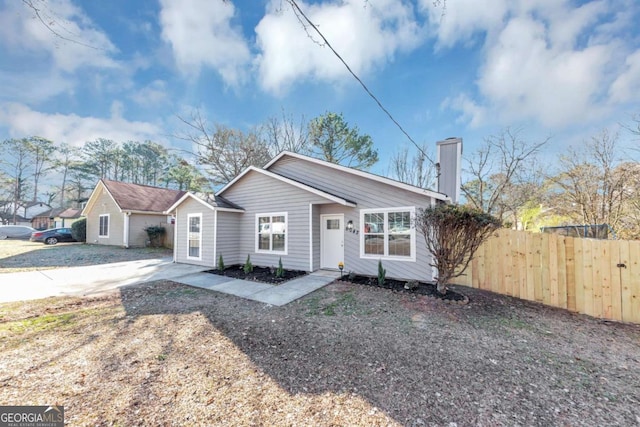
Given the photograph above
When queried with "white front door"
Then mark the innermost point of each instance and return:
(331, 241)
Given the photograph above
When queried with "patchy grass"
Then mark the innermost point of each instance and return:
(167, 354)
(20, 256)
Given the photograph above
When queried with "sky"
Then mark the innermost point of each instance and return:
(124, 70)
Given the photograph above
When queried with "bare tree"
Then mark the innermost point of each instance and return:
(224, 152)
(500, 173)
(284, 133)
(67, 156)
(418, 170)
(595, 180)
(18, 163)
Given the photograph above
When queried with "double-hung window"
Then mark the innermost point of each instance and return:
(194, 236)
(103, 231)
(271, 233)
(387, 234)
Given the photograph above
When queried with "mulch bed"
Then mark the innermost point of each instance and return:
(422, 288)
(259, 274)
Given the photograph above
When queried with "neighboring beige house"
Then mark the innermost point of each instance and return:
(118, 212)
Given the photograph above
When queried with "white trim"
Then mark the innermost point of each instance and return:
(108, 226)
(175, 238)
(189, 216)
(256, 233)
(362, 174)
(199, 200)
(215, 237)
(385, 211)
(125, 231)
(310, 236)
(297, 184)
(322, 218)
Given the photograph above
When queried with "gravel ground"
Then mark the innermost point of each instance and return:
(346, 355)
(20, 255)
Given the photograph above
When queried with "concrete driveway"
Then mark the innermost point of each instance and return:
(89, 280)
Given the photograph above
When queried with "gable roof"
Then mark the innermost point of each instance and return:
(362, 174)
(136, 197)
(211, 202)
(321, 193)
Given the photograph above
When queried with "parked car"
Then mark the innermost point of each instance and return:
(15, 232)
(52, 236)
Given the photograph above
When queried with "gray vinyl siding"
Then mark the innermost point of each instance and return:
(366, 194)
(104, 204)
(228, 238)
(260, 194)
(207, 229)
(137, 224)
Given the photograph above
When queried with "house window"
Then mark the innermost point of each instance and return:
(271, 234)
(104, 226)
(387, 233)
(194, 236)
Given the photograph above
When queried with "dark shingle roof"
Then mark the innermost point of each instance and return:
(136, 197)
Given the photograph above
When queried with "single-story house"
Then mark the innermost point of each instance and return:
(56, 218)
(313, 215)
(118, 212)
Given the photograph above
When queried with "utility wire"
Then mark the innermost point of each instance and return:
(300, 13)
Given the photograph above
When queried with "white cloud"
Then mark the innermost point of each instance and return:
(366, 34)
(546, 60)
(20, 30)
(152, 95)
(627, 85)
(201, 34)
(22, 121)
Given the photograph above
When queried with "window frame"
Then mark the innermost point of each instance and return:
(257, 233)
(386, 233)
(100, 227)
(199, 216)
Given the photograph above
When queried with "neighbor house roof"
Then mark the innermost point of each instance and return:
(360, 173)
(70, 213)
(138, 198)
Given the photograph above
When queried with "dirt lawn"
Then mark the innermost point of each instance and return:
(347, 355)
(20, 255)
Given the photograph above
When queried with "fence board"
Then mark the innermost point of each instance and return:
(634, 281)
(522, 263)
(561, 267)
(569, 251)
(598, 251)
(604, 268)
(615, 275)
(537, 268)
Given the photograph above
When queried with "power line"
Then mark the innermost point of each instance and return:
(299, 13)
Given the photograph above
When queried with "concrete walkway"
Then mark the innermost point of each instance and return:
(98, 279)
(270, 294)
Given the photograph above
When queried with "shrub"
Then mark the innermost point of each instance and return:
(382, 274)
(79, 230)
(280, 270)
(453, 233)
(248, 267)
(156, 235)
(220, 263)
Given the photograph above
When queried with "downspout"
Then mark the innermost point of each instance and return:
(175, 238)
(215, 237)
(310, 236)
(125, 237)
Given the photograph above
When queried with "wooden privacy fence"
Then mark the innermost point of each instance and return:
(600, 278)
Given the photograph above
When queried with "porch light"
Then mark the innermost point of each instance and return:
(341, 267)
(350, 226)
